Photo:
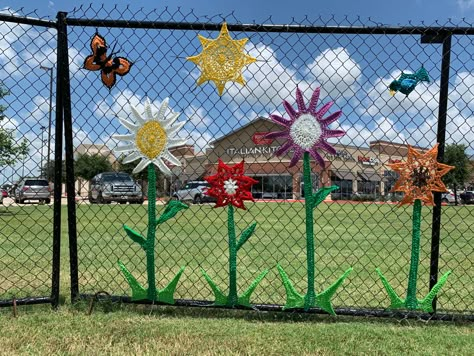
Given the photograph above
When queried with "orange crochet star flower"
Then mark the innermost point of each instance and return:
(420, 176)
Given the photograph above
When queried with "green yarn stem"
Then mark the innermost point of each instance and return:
(150, 241)
(411, 302)
(308, 195)
(233, 297)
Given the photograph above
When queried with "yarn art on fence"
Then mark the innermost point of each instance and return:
(306, 130)
(222, 59)
(108, 65)
(420, 175)
(151, 137)
(230, 185)
(408, 82)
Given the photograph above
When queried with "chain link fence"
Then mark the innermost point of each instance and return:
(27, 156)
(360, 226)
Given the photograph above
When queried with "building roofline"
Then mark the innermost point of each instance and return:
(251, 122)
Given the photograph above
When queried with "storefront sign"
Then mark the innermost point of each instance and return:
(259, 138)
(341, 155)
(252, 151)
(368, 161)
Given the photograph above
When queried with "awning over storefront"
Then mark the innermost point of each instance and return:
(342, 175)
(368, 176)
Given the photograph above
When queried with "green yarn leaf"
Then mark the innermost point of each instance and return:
(426, 304)
(293, 298)
(321, 194)
(246, 235)
(135, 236)
(244, 299)
(220, 298)
(395, 300)
(171, 209)
(323, 300)
(166, 295)
(138, 292)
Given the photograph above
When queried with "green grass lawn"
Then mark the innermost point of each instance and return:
(184, 331)
(364, 236)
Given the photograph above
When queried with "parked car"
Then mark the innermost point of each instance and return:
(32, 189)
(448, 198)
(467, 197)
(195, 191)
(6, 188)
(114, 186)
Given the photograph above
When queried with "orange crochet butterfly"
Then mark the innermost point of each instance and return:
(108, 66)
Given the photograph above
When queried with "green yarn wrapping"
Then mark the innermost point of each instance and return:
(311, 299)
(411, 301)
(166, 295)
(233, 298)
(150, 241)
(308, 199)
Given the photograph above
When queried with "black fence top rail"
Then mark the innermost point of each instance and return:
(168, 25)
(28, 21)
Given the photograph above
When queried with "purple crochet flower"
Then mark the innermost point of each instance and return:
(306, 131)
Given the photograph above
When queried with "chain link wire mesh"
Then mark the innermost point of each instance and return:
(28, 58)
(360, 226)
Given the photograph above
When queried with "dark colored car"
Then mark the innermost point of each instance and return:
(114, 186)
(467, 197)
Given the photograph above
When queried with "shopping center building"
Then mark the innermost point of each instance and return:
(362, 170)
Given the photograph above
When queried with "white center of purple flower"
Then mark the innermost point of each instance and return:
(230, 186)
(305, 131)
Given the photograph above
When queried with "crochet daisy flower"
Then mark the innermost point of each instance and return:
(306, 130)
(151, 137)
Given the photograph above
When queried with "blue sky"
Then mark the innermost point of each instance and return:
(354, 71)
(388, 12)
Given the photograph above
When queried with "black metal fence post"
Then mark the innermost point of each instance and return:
(58, 149)
(69, 150)
(441, 139)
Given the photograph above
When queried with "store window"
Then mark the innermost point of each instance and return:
(315, 180)
(344, 180)
(273, 187)
(368, 183)
(389, 177)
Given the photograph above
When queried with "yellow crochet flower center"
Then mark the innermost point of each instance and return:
(151, 139)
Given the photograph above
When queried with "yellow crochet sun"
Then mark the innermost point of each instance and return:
(222, 59)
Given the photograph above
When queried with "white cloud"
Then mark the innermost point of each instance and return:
(200, 141)
(465, 4)
(269, 82)
(196, 118)
(423, 100)
(39, 113)
(9, 124)
(336, 72)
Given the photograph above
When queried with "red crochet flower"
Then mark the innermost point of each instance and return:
(230, 186)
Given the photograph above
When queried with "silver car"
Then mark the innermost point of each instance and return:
(194, 191)
(114, 186)
(33, 189)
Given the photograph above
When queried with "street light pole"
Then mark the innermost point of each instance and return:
(50, 69)
(42, 145)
